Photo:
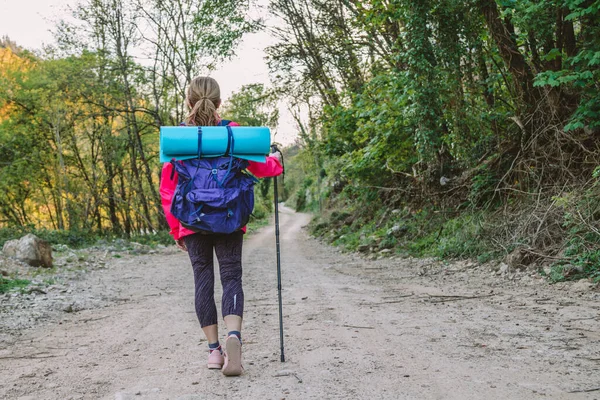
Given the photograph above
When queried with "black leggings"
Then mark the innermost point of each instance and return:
(229, 253)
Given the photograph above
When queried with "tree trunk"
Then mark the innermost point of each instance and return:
(529, 97)
(126, 207)
(132, 124)
(514, 60)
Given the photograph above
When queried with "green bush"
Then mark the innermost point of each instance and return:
(583, 262)
(260, 212)
(7, 234)
(300, 199)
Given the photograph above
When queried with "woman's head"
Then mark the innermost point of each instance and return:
(203, 97)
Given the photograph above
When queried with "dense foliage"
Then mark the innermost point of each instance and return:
(475, 121)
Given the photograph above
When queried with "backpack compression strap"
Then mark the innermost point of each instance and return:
(223, 122)
(230, 143)
(199, 141)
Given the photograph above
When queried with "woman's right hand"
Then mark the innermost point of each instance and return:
(181, 244)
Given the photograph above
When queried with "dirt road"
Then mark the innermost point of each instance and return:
(355, 329)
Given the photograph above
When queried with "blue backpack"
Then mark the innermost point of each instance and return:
(213, 195)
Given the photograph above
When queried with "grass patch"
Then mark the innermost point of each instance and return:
(153, 239)
(44, 271)
(255, 225)
(7, 284)
(420, 233)
(49, 281)
(73, 239)
(464, 236)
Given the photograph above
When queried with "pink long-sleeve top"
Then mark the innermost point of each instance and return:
(167, 188)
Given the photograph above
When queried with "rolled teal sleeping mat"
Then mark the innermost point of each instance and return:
(181, 142)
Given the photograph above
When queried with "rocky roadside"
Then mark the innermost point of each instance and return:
(64, 288)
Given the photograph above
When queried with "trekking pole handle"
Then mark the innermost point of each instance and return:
(275, 149)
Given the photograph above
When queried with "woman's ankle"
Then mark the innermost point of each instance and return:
(215, 346)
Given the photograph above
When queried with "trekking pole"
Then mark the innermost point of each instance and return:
(276, 200)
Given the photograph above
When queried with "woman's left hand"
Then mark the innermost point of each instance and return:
(181, 244)
(277, 155)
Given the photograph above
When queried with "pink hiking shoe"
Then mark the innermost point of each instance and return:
(215, 359)
(233, 357)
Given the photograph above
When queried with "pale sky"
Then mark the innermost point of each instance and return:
(28, 23)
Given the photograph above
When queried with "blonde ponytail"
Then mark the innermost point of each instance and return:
(203, 97)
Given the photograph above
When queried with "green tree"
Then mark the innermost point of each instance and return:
(253, 105)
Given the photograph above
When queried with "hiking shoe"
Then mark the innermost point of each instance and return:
(215, 359)
(233, 357)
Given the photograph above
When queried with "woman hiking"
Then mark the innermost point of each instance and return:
(203, 97)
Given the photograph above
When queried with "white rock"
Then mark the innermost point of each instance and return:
(547, 270)
(30, 249)
(10, 248)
